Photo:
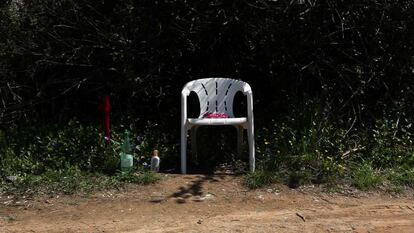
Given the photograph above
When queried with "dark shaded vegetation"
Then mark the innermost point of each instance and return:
(74, 181)
(333, 82)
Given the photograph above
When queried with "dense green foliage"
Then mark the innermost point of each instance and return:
(36, 149)
(60, 57)
(332, 80)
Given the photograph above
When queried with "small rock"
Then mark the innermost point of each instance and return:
(200, 221)
(208, 196)
(198, 198)
(157, 199)
(7, 202)
(11, 178)
(180, 200)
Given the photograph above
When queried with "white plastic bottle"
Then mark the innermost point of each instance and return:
(155, 161)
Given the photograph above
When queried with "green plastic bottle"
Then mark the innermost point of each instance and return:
(127, 161)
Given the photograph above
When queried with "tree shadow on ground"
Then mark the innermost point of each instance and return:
(195, 188)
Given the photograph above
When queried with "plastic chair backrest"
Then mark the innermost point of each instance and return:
(216, 95)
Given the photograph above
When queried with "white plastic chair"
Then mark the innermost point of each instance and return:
(216, 95)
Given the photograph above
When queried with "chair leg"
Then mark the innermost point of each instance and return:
(194, 143)
(183, 150)
(250, 135)
(239, 140)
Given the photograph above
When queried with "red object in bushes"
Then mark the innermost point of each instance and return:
(107, 110)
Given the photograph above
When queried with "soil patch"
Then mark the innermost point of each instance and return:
(209, 203)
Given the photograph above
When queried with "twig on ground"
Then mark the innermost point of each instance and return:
(301, 216)
(347, 153)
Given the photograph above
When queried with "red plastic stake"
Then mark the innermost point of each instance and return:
(107, 111)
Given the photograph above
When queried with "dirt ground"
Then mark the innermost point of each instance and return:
(210, 203)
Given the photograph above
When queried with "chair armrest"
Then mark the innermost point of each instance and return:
(247, 89)
(185, 92)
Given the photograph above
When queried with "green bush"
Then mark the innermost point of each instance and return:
(303, 143)
(67, 159)
(391, 143)
(332, 80)
(36, 149)
(308, 147)
(155, 136)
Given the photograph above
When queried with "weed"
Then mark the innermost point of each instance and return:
(364, 177)
(260, 178)
(143, 177)
(73, 180)
(9, 218)
(401, 176)
(333, 189)
(296, 179)
(395, 189)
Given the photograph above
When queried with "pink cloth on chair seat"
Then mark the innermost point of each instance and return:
(215, 115)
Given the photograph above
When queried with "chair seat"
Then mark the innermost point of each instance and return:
(217, 121)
